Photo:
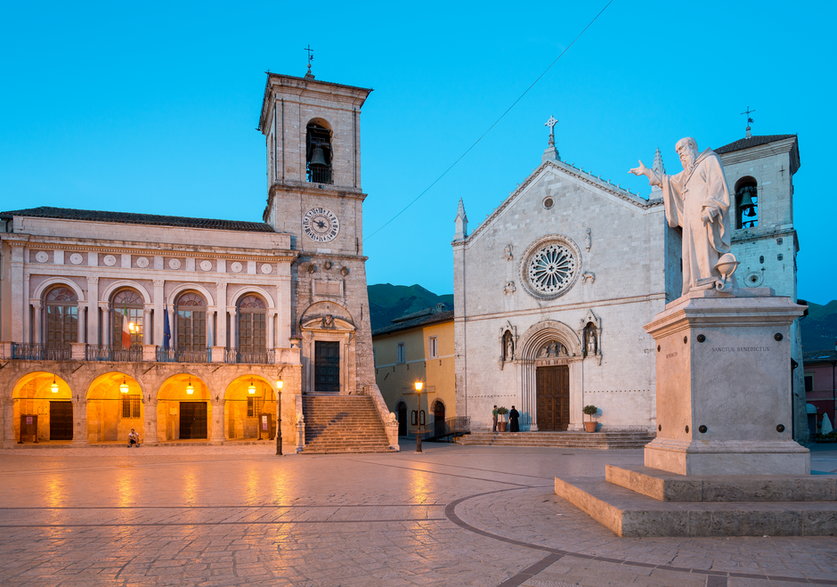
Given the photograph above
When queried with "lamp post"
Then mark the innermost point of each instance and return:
(419, 385)
(279, 385)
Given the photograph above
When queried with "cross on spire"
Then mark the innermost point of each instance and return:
(310, 52)
(551, 124)
(747, 113)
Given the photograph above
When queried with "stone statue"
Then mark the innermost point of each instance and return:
(697, 200)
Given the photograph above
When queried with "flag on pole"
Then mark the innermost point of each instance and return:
(166, 329)
(126, 331)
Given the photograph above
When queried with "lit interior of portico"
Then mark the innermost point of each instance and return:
(114, 406)
(250, 409)
(184, 409)
(42, 408)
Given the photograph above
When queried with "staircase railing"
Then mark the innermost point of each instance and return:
(452, 428)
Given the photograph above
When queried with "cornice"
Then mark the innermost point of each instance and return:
(572, 171)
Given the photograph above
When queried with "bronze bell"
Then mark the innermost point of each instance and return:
(318, 157)
(747, 206)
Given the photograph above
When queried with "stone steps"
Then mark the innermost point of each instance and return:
(343, 424)
(592, 440)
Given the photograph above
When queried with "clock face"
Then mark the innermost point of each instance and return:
(320, 224)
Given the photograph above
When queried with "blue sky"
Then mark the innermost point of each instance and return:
(152, 107)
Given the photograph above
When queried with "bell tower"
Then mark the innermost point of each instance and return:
(312, 131)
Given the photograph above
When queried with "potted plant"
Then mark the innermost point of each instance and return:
(591, 411)
(501, 418)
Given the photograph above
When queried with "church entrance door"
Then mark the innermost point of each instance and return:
(553, 397)
(326, 365)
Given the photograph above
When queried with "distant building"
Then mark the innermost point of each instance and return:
(417, 347)
(182, 327)
(552, 290)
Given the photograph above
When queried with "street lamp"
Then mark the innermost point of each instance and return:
(419, 385)
(279, 385)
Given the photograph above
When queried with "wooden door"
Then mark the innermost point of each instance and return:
(326, 365)
(60, 420)
(553, 397)
(192, 420)
(438, 418)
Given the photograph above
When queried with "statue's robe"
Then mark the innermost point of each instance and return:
(686, 196)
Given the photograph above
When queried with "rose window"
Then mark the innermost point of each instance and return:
(551, 269)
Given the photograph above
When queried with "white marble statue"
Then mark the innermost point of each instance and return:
(697, 200)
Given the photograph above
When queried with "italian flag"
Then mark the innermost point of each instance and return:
(126, 332)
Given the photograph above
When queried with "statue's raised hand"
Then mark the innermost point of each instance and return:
(641, 170)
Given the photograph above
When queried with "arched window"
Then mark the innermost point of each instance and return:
(746, 203)
(61, 313)
(252, 329)
(190, 322)
(318, 152)
(126, 309)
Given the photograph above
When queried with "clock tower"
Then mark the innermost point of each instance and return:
(312, 131)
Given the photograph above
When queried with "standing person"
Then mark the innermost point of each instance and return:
(514, 425)
(494, 419)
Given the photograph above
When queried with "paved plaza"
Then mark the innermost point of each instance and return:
(453, 515)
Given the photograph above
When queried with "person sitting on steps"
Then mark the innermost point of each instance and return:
(133, 439)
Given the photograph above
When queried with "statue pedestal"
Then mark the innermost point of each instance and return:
(724, 404)
(724, 462)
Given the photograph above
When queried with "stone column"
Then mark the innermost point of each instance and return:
(232, 314)
(37, 331)
(104, 324)
(7, 406)
(149, 408)
(80, 421)
(146, 323)
(217, 433)
(92, 310)
(81, 323)
(271, 320)
(221, 303)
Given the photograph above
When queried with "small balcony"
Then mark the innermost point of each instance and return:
(184, 356)
(265, 357)
(97, 352)
(34, 351)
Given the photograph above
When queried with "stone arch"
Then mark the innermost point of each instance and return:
(112, 414)
(542, 332)
(250, 414)
(32, 412)
(254, 289)
(319, 310)
(47, 284)
(182, 415)
(114, 287)
(186, 287)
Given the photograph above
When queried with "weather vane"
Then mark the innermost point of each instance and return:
(747, 113)
(310, 52)
(551, 124)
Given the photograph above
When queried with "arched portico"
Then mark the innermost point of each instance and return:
(250, 409)
(42, 409)
(550, 362)
(114, 406)
(184, 409)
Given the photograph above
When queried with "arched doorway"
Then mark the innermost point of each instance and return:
(250, 409)
(43, 409)
(401, 410)
(551, 356)
(114, 407)
(183, 409)
(438, 418)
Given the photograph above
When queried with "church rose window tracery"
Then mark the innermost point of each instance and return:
(551, 269)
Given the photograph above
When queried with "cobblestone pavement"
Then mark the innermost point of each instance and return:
(453, 515)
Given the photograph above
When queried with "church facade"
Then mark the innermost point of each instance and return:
(552, 290)
(189, 329)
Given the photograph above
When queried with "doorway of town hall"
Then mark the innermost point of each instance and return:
(183, 409)
(42, 409)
